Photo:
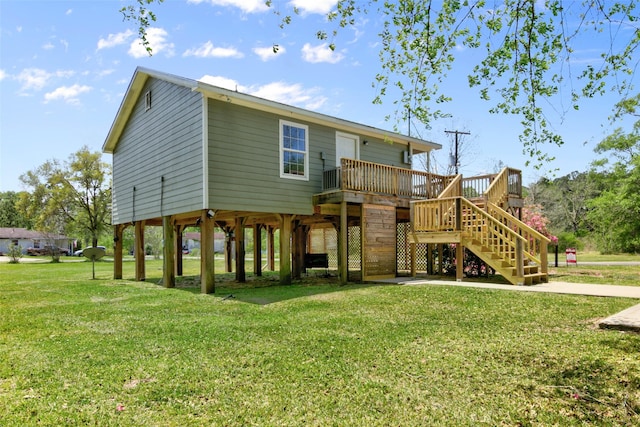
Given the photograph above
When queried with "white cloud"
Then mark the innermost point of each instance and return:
(48, 46)
(69, 94)
(247, 6)
(157, 38)
(208, 50)
(314, 6)
(33, 78)
(69, 12)
(113, 40)
(267, 53)
(3, 75)
(320, 53)
(37, 78)
(223, 82)
(290, 94)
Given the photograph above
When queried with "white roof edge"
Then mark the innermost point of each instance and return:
(141, 75)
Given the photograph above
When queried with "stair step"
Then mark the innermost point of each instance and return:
(530, 279)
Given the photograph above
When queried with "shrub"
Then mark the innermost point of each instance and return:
(569, 240)
(15, 253)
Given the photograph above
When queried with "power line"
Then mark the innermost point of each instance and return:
(457, 132)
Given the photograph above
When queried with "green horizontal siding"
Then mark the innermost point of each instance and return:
(244, 156)
(165, 141)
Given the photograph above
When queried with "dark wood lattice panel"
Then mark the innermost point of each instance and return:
(354, 248)
(325, 241)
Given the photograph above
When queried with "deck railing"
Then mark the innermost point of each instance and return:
(459, 214)
(510, 238)
(507, 183)
(358, 175)
(535, 244)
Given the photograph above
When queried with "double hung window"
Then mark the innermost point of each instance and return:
(294, 150)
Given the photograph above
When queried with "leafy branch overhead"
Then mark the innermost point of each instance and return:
(527, 54)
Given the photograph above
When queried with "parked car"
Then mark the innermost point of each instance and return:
(81, 251)
(47, 250)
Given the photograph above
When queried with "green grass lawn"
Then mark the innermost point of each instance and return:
(76, 351)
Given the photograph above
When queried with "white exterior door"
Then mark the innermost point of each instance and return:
(346, 147)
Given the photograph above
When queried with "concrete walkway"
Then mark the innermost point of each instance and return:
(628, 319)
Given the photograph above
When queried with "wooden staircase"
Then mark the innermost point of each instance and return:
(502, 241)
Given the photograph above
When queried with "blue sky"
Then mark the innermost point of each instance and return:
(65, 65)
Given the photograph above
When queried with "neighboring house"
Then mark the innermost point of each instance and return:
(29, 239)
(191, 241)
(186, 153)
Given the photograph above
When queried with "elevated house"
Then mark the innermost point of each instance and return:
(186, 153)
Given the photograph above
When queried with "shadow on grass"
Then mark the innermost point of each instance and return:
(266, 289)
(584, 387)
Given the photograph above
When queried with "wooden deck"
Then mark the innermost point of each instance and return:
(480, 213)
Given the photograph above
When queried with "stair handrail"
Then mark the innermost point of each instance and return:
(489, 229)
(453, 189)
(535, 242)
(500, 187)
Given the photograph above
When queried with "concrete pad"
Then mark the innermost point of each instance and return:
(626, 320)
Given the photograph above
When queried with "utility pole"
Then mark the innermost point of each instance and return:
(457, 132)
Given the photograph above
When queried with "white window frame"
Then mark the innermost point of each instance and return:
(282, 150)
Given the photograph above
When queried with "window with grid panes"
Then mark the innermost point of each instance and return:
(294, 150)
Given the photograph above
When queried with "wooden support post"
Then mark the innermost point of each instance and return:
(117, 250)
(241, 275)
(520, 261)
(429, 258)
(299, 249)
(459, 247)
(440, 258)
(343, 235)
(228, 244)
(257, 249)
(459, 262)
(304, 243)
(271, 251)
(413, 259)
(168, 253)
(178, 249)
(285, 249)
(207, 255)
(458, 214)
(299, 246)
(544, 260)
(139, 251)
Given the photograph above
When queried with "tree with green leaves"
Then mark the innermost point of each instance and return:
(615, 213)
(565, 200)
(526, 63)
(9, 214)
(69, 197)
